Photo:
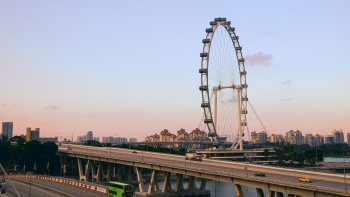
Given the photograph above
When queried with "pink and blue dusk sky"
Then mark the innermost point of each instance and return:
(130, 68)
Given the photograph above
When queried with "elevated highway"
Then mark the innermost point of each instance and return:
(277, 181)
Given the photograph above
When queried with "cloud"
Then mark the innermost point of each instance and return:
(258, 59)
(286, 99)
(51, 108)
(286, 82)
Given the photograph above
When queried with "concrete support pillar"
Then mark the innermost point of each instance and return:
(191, 184)
(298, 196)
(96, 173)
(62, 164)
(140, 179)
(106, 172)
(239, 191)
(179, 185)
(271, 194)
(153, 184)
(129, 173)
(83, 175)
(113, 173)
(121, 172)
(203, 184)
(166, 184)
(74, 167)
(260, 192)
(291, 195)
(280, 194)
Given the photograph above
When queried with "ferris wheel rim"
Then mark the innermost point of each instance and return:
(208, 114)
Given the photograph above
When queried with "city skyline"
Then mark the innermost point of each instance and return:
(120, 69)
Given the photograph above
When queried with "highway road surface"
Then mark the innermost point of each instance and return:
(27, 187)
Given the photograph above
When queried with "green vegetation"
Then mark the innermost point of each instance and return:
(334, 150)
(177, 151)
(18, 155)
(300, 155)
(93, 143)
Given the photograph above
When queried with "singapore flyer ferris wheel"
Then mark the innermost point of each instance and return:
(223, 83)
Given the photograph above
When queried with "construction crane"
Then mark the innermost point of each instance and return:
(72, 133)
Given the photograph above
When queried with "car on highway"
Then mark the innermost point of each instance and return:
(134, 152)
(305, 179)
(259, 174)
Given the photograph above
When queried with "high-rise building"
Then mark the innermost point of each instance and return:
(7, 129)
(328, 139)
(254, 137)
(338, 136)
(294, 137)
(80, 139)
(32, 134)
(262, 137)
(89, 136)
(310, 140)
(348, 137)
(111, 139)
(318, 140)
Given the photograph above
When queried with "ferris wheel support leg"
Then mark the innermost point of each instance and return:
(239, 119)
(215, 108)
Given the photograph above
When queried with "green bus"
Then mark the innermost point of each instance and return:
(118, 189)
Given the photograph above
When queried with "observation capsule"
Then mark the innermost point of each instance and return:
(203, 88)
(206, 41)
(208, 120)
(203, 70)
(210, 134)
(243, 72)
(209, 30)
(203, 105)
(204, 54)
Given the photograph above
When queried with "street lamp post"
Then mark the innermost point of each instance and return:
(316, 160)
(48, 166)
(64, 170)
(185, 157)
(344, 169)
(246, 165)
(114, 172)
(142, 153)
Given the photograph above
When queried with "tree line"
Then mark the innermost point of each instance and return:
(16, 155)
(300, 155)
